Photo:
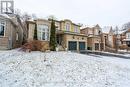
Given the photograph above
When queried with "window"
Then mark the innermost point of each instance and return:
(17, 36)
(2, 28)
(76, 29)
(96, 32)
(67, 26)
(43, 32)
(128, 35)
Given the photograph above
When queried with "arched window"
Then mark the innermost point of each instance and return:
(67, 26)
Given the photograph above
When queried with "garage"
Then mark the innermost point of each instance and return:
(81, 45)
(72, 45)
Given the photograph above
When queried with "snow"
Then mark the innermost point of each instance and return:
(62, 69)
(5, 15)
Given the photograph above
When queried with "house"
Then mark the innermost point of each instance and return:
(94, 38)
(69, 37)
(110, 38)
(43, 32)
(11, 34)
(127, 38)
(124, 38)
(67, 34)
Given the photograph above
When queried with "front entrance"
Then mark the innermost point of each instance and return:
(81, 45)
(72, 45)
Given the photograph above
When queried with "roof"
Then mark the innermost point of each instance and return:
(90, 27)
(106, 29)
(5, 16)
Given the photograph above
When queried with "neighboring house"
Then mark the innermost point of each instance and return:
(11, 34)
(67, 34)
(109, 38)
(110, 41)
(94, 37)
(69, 37)
(125, 40)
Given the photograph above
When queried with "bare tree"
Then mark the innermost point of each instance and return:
(52, 17)
(22, 21)
(126, 26)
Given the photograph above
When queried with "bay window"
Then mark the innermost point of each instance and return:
(43, 32)
(2, 28)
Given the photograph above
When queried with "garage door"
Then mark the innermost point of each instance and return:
(72, 45)
(81, 45)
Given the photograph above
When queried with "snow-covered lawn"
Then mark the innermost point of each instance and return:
(62, 69)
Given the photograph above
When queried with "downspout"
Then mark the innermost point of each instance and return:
(10, 37)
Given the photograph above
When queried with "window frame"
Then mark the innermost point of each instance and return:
(128, 35)
(68, 27)
(44, 30)
(76, 29)
(4, 27)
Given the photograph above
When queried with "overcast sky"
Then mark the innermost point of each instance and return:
(88, 12)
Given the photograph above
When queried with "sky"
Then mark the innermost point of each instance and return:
(87, 12)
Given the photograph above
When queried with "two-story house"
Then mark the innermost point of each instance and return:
(94, 37)
(67, 34)
(125, 38)
(69, 37)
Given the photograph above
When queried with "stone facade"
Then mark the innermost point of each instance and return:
(43, 32)
(94, 37)
(12, 35)
(69, 34)
(66, 32)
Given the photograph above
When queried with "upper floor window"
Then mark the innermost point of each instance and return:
(43, 32)
(90, 31)
(128, 35)
(96, 32)
(2, 28)
(67, 26)
(76, 29)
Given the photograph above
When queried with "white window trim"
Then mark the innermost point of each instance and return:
(128, 35)
(76, 29)
(45, 33)
(4, 26)
(67, 26)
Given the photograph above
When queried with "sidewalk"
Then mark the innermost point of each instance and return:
(124, 55)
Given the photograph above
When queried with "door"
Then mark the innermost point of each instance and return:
(81, 45)
(96, 46)
(72, 45)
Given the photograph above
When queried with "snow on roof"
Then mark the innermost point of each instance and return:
(5, 16)
(89, 26)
